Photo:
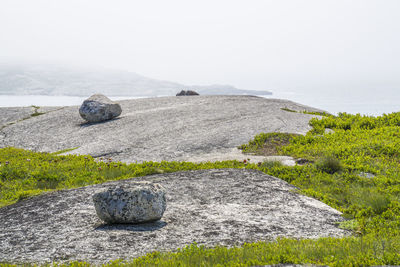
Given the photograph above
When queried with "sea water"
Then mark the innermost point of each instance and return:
(46, 100)
(364, 104)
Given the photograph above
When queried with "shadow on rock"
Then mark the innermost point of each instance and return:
(88, 124)
(141, 227)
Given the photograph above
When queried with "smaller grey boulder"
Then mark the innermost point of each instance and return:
(99, 108)
(186, 93)
(137, 203)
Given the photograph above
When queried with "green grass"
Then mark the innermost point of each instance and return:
(329, 164)
(25, 173)
(335, 252)
(267, 143)
(35, 112)
(289, 110)
(307, 112)
(64, 150)
(359, 144)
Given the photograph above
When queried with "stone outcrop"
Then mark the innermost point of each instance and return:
(224, 207)
(136, 203)
(98, 108)
(155, 129)
(186, 93)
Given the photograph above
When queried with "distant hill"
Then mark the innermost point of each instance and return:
(57, 80)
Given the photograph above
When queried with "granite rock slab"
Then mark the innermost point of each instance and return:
(156, 129)
(210, 207)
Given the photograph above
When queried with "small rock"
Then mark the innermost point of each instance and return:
(303, 161)
(137, 203)
(366, 175)
(99, 108)
(186, 93)
(329, 131)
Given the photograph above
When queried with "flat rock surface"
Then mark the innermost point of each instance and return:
(155, 129)
(211, 207)
(12, 115)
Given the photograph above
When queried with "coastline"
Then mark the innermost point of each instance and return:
(365, 105)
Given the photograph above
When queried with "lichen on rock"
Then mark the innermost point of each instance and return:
(135, 203)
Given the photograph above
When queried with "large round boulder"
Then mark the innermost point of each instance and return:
(137, 203)
(99, 108)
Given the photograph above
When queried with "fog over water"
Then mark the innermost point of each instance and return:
(338, 55)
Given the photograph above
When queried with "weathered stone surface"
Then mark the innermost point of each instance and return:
(14, 114)
(211, 207)
(187, 93)
(134, 203)
(98, 108)
(164, 128)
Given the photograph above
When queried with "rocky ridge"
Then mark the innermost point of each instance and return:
(156, 129)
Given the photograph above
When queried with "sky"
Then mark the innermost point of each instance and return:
(318, 46)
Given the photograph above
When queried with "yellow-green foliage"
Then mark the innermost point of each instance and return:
(360, 144)
(350, 251)
(328, 251)
(265, 143)
(25, 173)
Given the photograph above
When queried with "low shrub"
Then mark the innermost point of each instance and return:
(329, 165)
(270, 164)
(267, 143)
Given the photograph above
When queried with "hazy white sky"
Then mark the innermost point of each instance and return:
(254, 44)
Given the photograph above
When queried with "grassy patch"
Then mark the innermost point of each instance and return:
(35, 111)
(25, 173)
(64, 150)
(323, 114)
(307, 112)
(267, 144)
(37, 114)
(288, 110)
(351, 251)
(329, 164)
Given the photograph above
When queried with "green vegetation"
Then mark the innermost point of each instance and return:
(267, 143)
(64, 150)
(25, 173)
(324, 114)
(36, 112)
(329, 164)
(306, 112)
(288, 110)
(359, 144)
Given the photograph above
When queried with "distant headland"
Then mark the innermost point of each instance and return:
(28, 79)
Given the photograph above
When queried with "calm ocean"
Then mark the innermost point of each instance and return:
(368, 105)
